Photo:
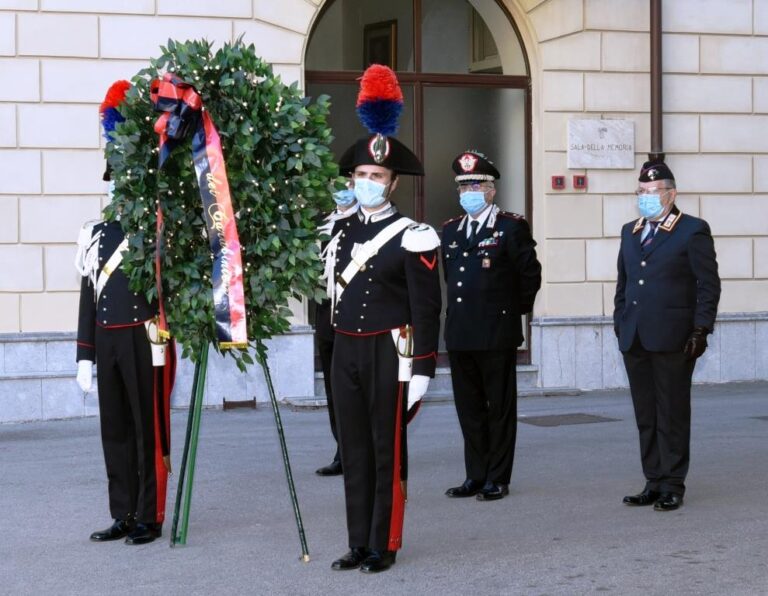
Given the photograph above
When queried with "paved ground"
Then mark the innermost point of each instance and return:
(563, 530)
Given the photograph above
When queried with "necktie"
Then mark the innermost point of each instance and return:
(651, 234)
(473, 230)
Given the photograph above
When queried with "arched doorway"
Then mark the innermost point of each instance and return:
(465, 78)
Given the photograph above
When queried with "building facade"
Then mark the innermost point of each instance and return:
(518, 71)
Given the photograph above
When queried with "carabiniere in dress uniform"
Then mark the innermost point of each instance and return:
(386, 316)
(134, 377)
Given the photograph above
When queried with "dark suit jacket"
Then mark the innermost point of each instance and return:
(490, 282)
(665, 290)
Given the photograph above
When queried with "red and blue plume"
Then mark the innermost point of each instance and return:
(110, 116)
(380, 100)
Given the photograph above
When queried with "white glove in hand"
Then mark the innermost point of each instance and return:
(85, 375)
(417, 387)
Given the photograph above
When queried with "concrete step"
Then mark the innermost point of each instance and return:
(440, 388)
(527, 378)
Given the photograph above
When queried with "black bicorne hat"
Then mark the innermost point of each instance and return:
(473, 166)
(655, 170)
(379, 104)
(379, 150)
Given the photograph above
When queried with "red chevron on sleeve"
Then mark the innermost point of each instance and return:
(429, 264)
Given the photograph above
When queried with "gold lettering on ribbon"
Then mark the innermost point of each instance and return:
(218, 223)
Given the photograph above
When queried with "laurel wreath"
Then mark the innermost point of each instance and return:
(281, 175)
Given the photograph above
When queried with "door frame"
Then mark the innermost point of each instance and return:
(419, 80)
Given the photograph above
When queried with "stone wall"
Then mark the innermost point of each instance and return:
(593, 61)
(37, 376)
(583, 353)
(57, 59)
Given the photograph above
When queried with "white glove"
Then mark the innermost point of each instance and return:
(85, 375)
(417, 387)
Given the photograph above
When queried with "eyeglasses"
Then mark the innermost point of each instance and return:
(651, 191)
(474, 187)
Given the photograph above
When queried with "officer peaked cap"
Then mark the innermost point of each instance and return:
(473, 166)
(380, 150)
(655, 170)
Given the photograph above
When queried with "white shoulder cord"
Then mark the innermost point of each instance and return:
(87, 257)
(329, 257)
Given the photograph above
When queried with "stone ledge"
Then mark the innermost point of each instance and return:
(24, 376)
(608, 320)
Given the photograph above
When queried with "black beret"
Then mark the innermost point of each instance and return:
(473, 166)
(380, 150)
(655, 170)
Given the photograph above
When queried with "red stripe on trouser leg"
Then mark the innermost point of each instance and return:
(161, 474)
(398, 496)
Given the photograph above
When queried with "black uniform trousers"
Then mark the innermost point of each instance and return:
(485, 394)
(325, 350)
(125, 378)
(660, 384)
(370, 408)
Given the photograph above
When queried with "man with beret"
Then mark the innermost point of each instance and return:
(666, 302)
(492, 276)
(386, 316)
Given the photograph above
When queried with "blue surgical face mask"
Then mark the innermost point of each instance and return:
(472, 201)
(344, 198)
(649, 205)
(368, 193)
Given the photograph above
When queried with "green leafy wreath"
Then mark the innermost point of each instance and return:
(281, 172)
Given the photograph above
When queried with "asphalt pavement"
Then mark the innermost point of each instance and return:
(562, 529)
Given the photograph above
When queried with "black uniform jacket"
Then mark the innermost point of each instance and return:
(490, 281)
(118, 306)
(665, 290)
(399, 286)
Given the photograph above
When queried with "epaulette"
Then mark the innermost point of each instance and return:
(511, 215)
(86, 232)
(457, 218)
(420, 237)
(639, 224)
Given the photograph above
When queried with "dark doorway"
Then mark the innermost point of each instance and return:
(465, 79)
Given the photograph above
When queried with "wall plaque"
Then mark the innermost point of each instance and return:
(601, 144)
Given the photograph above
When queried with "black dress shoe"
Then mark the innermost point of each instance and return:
(493, 491)
(668, 502)
(144, 533)
(378, 561)
(647, 497)
(332, 469)
(469, 489)
(352, 560)
(121, 527)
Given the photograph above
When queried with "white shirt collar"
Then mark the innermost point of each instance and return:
(482, 217)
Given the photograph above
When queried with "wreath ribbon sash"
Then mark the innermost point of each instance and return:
(183, 114)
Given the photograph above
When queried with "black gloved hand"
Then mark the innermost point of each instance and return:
(697, 343)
